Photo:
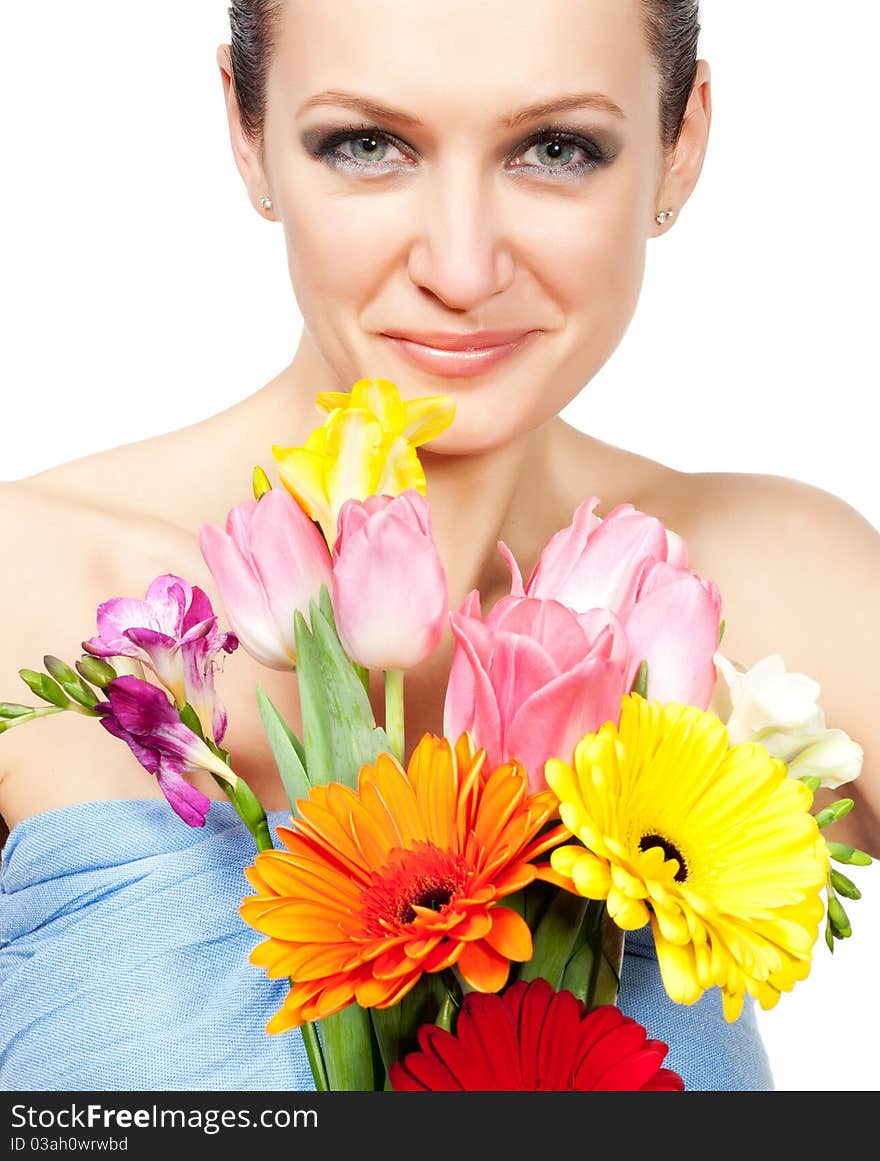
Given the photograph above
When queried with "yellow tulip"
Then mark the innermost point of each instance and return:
(365, 447)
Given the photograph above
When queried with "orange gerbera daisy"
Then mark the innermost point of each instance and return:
(401, 877)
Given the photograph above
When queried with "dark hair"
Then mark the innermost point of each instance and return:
(673, 31)
(672, 28)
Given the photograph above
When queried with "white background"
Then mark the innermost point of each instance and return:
(139, 292)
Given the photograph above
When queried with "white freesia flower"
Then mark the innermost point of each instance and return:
(781, 711)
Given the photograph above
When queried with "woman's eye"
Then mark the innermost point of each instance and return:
(364, 149)
(561, 154)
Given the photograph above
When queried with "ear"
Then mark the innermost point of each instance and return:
(686, 162)
(246, 152)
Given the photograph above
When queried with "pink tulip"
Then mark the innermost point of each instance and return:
(631, 565)
(270, 561)
(675, 625)
(531, 678)
(390, 596)
(599, 564)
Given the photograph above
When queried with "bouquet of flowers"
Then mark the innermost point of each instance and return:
(456, 919)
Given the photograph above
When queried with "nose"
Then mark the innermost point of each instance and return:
(459, 252)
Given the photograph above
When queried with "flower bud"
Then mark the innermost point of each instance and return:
(838, 918)
(844, 886)
(832, 813)
(45, 688)
(260, 483)
(95, 670)
(10, 709)
(70, 681)
(851, 855)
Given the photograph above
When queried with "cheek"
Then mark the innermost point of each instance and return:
(339, 246)
(596, 256)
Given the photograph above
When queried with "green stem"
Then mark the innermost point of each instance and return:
(316, 1057)
(43, 711)
(248, 807)
(394, 711)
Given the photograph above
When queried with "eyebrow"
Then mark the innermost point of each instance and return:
(527, 113)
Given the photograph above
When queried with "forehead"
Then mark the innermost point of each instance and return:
(464, 59)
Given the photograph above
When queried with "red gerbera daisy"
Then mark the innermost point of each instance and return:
(532, 1038)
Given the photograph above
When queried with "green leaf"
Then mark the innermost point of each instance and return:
(538, 896)
(346, 714)
(364, 675)
(315, 1053)
(325, 604)
(347, 1044)
(640, 685)
(605, 984)
(289, 733)
(579, 972)
(397, 1027)
(555, 938)
(287, 750)
(314, 709)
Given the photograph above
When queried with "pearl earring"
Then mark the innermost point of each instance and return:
(663, 216)
(266, 203)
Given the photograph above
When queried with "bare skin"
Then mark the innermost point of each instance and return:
(446, 239)
(67, 758)
(744, 532)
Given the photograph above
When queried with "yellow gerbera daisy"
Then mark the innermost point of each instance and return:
(403, 876)
(714, 844)
(366, 447)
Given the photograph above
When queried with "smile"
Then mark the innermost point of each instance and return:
(458, 363)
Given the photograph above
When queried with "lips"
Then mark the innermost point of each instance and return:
(465, 341)
(471, 354)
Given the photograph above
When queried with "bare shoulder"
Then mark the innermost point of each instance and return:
(761, 508)
(778, 547)
(798, 569)
(63, 556)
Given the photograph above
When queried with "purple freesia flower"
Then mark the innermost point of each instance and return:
(142, 716)
(174, 631)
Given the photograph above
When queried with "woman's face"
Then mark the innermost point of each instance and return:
(456, 209)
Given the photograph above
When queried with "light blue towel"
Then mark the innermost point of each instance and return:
(124, 966)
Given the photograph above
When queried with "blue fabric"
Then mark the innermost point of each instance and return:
(124, 966)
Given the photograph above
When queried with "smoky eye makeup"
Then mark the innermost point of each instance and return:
(559, 152)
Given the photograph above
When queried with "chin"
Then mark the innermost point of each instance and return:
(476, 430)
